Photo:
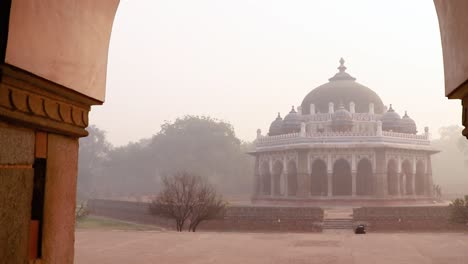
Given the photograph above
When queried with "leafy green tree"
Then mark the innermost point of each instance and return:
(205, 146)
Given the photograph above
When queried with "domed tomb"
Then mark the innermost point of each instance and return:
(342, 88)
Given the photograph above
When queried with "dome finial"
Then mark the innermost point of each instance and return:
(342, 68)
(406, 114)
(279, 115)
(293, 110)
(391, 109)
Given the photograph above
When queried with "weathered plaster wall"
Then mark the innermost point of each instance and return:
(16, 185)
(453, 23)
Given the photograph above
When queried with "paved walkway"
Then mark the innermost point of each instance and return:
(146, 247)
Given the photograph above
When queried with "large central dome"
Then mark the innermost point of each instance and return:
(342, 89)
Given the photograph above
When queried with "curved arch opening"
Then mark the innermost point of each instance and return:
(407, 177)
(266, 178)
(277, 171)
(318, 181)
(292, 178)
(392, 177)
(364, 178)
(342, 179)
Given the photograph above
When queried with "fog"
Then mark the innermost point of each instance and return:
(244, 61)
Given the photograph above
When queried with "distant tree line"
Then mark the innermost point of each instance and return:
(450, 166)
(197, 144)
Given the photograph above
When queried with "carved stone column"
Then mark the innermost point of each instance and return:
(272, 179)
(381, 173)
(303, 179)
(429, 180)
(329, 176)
(285, 179)
(353, 180)
(257, 178)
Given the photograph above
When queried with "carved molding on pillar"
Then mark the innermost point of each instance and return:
(29, 100)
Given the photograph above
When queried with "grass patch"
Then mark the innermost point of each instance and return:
(94, 222)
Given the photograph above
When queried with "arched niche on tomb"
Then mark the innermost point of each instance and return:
(276, 177)
(292, 178)
(392, 177)
(407, 177)
(342, 179)
(364, 178)
(266, 178)
(318, 178)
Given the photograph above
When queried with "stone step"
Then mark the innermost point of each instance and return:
(338, 223)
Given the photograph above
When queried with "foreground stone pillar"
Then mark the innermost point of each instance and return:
(16, 188)
(53, 64)
(330, 183)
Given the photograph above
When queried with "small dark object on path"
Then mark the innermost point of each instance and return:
(360, 229)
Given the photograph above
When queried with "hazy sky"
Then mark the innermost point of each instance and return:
(243, 61)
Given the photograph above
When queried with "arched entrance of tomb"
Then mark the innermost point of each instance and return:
(266, 178)
(342, 179)
(319, 178)
(392, 177)
(407, 177)
(292, 178)
(420, 179)
(364, 179)
(277, 171)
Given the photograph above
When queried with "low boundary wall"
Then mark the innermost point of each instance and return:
(411, 218)
(235, 218)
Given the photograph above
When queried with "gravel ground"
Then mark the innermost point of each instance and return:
(149, 247)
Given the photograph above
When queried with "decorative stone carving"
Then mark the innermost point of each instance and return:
(35, 102)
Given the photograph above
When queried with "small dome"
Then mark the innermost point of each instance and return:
(391, 121)
(342, 119)
(276, 127)
(408, 125)
(342, 114)
(292, 122)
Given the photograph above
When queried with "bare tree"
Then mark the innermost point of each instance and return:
(209, 205)
(187, 197)
(177, 198)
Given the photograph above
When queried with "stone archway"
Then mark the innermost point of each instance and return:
(392, 177)
(420, 181)
(364, 179)
(276, 177)
(266, 178)
(292, 178)
(407, 177)
(342, 179)
(318, 181)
